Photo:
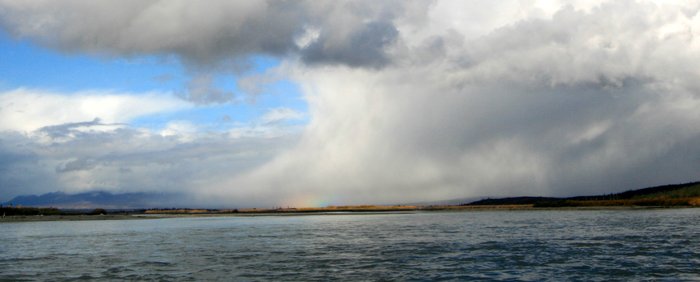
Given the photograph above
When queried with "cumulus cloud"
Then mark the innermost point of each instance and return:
(407, 101)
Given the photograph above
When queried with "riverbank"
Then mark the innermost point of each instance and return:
(30, 218)
(159, 214)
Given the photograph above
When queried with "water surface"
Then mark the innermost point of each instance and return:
(490, 245)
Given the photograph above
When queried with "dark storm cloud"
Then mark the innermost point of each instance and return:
(582, 102)
(365, 47)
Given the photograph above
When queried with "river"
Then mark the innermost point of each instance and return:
(531, 245)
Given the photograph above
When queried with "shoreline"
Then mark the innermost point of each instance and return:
(320, 211)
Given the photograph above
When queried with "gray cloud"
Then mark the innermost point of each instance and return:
(127, 160)
(206, 36)
(201, 90)
(371, 40)
(76, 165)
(19, 170)
(580, 103)
(68, 129)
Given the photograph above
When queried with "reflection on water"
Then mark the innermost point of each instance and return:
(494, 245)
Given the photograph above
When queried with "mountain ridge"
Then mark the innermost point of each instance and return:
(670, 194)
(96, 199)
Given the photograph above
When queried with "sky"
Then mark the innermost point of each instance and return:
(314, 103)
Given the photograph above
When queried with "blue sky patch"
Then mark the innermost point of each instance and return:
(27, 65)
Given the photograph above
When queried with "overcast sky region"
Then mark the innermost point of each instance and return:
(313, 103)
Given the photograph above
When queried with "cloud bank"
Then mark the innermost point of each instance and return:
(58, 151)
(410, 102)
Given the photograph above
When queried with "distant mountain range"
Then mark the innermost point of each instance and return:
(97, 199)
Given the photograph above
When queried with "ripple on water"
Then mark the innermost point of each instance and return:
(499, 245)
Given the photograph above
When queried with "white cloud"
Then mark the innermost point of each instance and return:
(276, 115)
(27, 110)
(184, 130)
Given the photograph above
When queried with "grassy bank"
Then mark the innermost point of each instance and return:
(41, 211)
(678, 195)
